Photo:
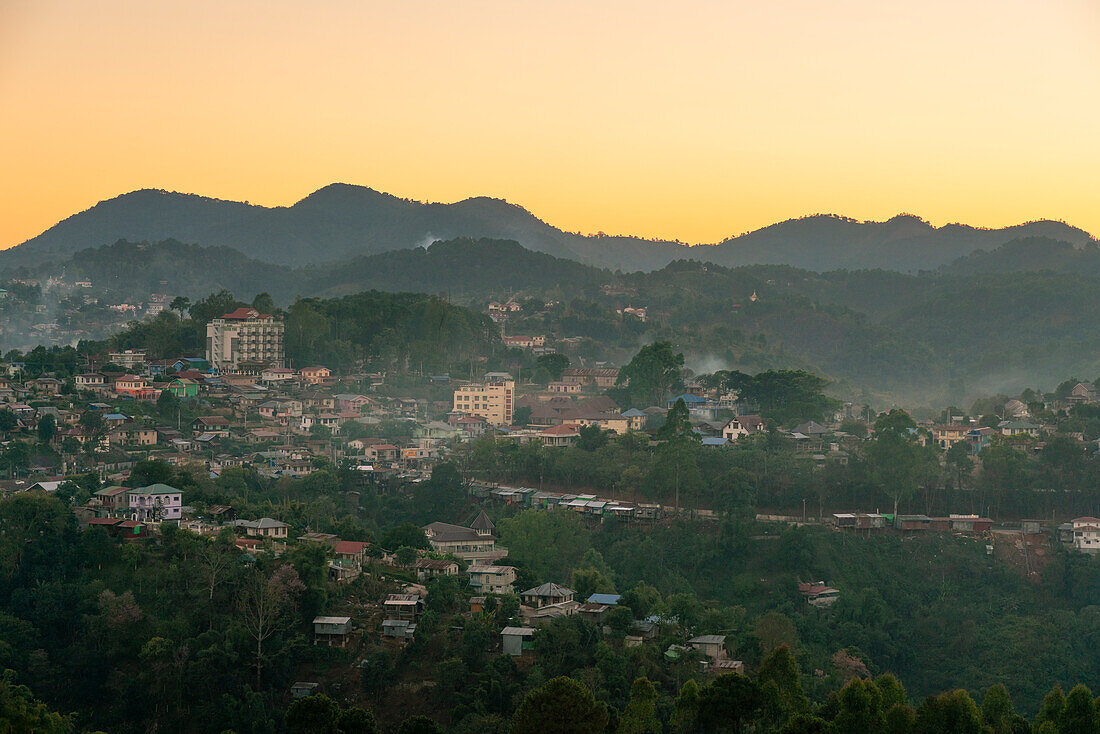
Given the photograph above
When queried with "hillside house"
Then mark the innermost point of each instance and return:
(913, 522)
(492, 579)
(712, 647)
(430, 568)
(587, 376)
(265, 527)
(565, 434)
(548, 593)
(741, 426)
(301, 689)
(346, 402)
(866, 521)
(136, 387)
(515, 640)
(474, 544)
(399, 629)
(700, 408)
(114, 499)
(1083, 393)
(183, 388)
(636, 419)
(403, 606)
(46, 385)
(1086, 534)
(541, 616)
(1018, 428)
(350, 555)
(315, 375)
(156, 503)
(90, 381)
(472, 426)
(947, 436)
(275, 375)
(436, 430)
(216, 424)
(970, 523)
(127, 530)
(331, 631)
(817, 594)
(614, 422)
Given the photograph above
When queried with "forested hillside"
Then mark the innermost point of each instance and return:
(341, 221)
(928, 337)
(390, 329)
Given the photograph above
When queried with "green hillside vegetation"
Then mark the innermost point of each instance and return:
(386, 329)
(163, 634)
(905, 243)
(876, 334)
(1031, 253)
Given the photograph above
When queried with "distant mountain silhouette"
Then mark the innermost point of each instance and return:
(340, 221)
(1030, 254)
(904, 243)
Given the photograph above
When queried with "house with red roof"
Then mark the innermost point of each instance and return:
(349, 556)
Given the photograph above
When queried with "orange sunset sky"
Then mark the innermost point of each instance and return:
(696, 119)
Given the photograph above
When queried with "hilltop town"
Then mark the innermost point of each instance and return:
(396, 499)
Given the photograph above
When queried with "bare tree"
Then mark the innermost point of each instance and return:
(265, 604)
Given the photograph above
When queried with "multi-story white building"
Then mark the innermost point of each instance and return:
(1086, 534)
(245, 335)
(130, 359)
(155, 503)
(493, 400)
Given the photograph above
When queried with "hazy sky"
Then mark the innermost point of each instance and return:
(694, 119)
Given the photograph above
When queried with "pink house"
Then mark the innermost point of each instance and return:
(156, 503)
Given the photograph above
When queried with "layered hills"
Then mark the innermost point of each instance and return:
(1023, 320)
(342, 221)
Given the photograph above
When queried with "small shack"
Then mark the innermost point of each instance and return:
(400, 629)
(301, 689)
(403, 606)
(517, 639)
(918, 523)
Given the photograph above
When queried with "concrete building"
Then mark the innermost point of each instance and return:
(244, 336)
(474, 545)
(1086, 534)
(492, 579)
(493, 400)
(155, 503)
(128, 359)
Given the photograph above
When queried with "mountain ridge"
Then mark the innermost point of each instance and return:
(341, 221)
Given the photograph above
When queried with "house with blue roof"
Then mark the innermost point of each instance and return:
(636, 419)
(702, 409)
(608, 599)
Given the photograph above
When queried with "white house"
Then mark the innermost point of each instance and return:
(742, 425)
(1086, 534)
